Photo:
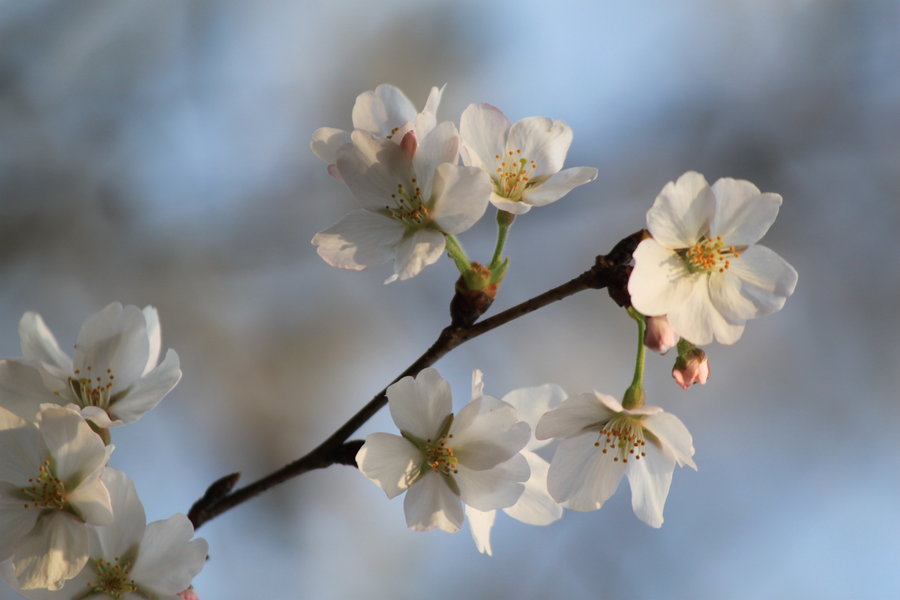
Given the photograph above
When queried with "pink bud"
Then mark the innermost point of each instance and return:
(188, 594)
(409, 143)
(695, 369)
(659, 336)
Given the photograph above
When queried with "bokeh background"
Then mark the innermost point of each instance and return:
(156, 152)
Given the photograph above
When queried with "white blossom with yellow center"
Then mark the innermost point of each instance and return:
(702, 267)
(130, 559)
(523, 159)
(114, 377)
(411, 195)
(50, 491)
(443, 461)
(601, 441)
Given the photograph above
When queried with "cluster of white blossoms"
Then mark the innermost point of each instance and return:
(403, 169)
(71, 526)
(697, 276)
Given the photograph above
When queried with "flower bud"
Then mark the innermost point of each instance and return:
(659, 336)
(188, 594)
(691, 368)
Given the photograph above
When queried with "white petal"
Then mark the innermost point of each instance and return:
(682, 211)
(697, 319)
(390, 461)
(92, 502)
(56, 550)
(480, 524)
(372, 167)
(415, 252)
(743, 215)
(154, 338)
(15, 520)
(498, 487)
(113, 338)
(477, 384)
(420, 405)
(510, 206)
(168, 559)
(128, 529)
(483, 129)
(326, 141)
(38, 342)
(726, 295)
(650, 478)
(382, 109)
(532, 402)
(77, 450)
(542, 140)
(487, 432)
(558, 185)
(22, 388)
(581, 476)
(673, 436)
(460, 197)
(439, 146)
(660, 281)
(573, 417)
(148, 391)
(22, 447)
(361, 239)
(431, 503)
(426, 120)
(536, 506)
(766, 277)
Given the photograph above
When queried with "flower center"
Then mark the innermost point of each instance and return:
(440, 457)
(622, 437)
(513, 174)
(408, 205)
(112, 579)
(709, 254)
(46, 491)
(90, 389)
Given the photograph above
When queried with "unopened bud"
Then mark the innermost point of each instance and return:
(659, 336)
(690, 368)
(188, 594)
(409, 144)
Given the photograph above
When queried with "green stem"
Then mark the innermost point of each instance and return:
(504, 220)
(634, 395)
(456, 252)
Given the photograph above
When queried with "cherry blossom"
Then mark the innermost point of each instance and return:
(50, 491)
(114, 378)
(412, 195)
(443, 461)
(523, 160)
(601, 441)
(130, 559)
(701, 268)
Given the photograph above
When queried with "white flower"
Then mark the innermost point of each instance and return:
(114, 378)
(535, 506)
(601, 441)
(523, 160)
(130, 558)
(701, 268)
(50, 490)
(442, 461)
(412, 194)
(384, 111)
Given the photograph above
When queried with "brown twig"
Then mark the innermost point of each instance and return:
(609, 271)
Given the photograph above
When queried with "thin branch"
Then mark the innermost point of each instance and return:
(609, 271)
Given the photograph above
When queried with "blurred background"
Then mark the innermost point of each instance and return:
(156, 152)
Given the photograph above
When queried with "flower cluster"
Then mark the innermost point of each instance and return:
(697, 276)
(402, 167)
(72, 526)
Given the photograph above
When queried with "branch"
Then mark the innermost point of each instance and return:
(610, 271)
